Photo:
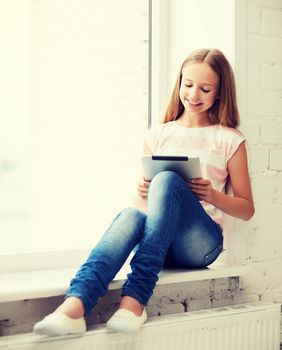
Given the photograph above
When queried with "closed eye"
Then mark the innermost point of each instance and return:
(204, 90)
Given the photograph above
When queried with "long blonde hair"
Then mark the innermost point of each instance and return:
(224, 111)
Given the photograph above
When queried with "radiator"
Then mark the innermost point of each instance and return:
(239, 327)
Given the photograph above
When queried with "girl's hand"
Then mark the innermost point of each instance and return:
(143, 188)
(203, 189)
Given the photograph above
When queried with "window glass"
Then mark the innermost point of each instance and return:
(74, 104)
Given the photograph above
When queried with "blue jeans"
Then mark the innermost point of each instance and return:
(175, 232)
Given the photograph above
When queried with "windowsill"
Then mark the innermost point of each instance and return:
(17, 286)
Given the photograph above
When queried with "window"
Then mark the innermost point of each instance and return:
(75, 97)
(74, 108)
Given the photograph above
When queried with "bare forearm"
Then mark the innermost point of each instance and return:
(238, 207)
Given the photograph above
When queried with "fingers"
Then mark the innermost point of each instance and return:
(145, 183)
(202, 188)
(199, 182)
(200, 193)
(143, 187)
(199, 186)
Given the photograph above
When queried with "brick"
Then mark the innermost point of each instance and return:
(254, 75)
(276, 159)
(264, 278)
(271, 76)
(271, 133)
(222, 302)
(263, 49)
(267, 186)
(174, 308)
(267, 217)
(223, 294)
(266, 3)
(253, 19)
(152, 309)
(262, 102)
(198, 304)
(271, 22)
(179, 292)
(251, 130)
(273, 296)
(258, 250)
(249, 298)
(258, 160)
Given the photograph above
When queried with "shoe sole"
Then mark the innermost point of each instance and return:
(119, 328)
(53, 331)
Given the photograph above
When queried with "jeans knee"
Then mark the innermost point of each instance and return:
(164, 178)
(166, 175)
(131, 213)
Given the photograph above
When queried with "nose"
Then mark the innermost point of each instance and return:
(193, 94)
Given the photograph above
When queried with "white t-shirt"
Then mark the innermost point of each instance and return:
(214, 145)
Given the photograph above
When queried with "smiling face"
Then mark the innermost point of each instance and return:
(198, 89)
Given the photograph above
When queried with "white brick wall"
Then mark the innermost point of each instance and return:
(263, 128)
(271, 22)
(271, 76)
(275, 161)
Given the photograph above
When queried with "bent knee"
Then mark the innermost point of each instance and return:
(132, 213)
(164, 178)
(165, 175)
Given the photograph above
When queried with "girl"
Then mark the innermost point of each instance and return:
(178, 224)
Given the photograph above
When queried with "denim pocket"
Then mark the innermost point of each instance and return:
(212, 256)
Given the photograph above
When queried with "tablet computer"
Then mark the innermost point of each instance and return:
(187, 167)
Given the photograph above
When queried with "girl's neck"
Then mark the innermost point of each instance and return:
(194, 121)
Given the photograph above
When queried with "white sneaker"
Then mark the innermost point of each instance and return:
(126, 321)
(60, 324)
